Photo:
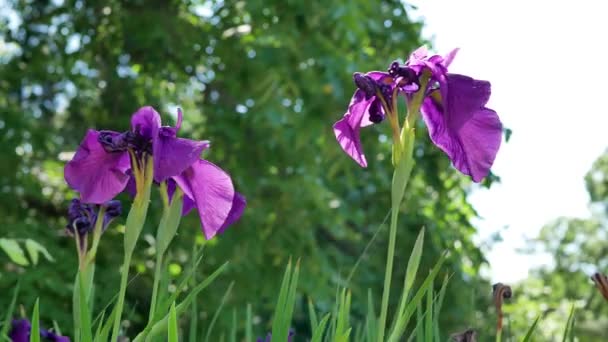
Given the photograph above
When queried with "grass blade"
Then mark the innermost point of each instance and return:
(249, 324)
(410, 273)
(312, 315)
(161, 325)
(217, 312)
(404, 317)
(428, 318)
(35, 331)
(233, 329)
(9, 313)
(569, 331)
(318, 330)
(531, 330)
(172, 334)
(285, 303)
(371, 319)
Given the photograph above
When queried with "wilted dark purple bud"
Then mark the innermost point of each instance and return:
(113, 209)
(81, 217)
(376, 114)
(113, 141)
(407, 77)
(365, 83)
(21, 329)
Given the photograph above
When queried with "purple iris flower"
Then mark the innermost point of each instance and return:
(21, 329)
(453, 108)
(101, 169)
(455, 112)
(370, 104)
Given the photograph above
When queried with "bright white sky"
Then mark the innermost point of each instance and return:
(545, 60)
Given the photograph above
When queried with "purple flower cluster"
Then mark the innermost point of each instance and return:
(104, 165)
(453, 107)
(21, 330)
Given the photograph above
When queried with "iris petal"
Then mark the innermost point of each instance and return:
(95, 173)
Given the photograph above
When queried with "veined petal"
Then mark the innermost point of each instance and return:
(174, 155)
(347, 129)
(239, 202)
(461, 125)
(146, 121)
(98, 175)
(213, 193)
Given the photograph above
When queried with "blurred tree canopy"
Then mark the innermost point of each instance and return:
(577, 248)
(264, 81)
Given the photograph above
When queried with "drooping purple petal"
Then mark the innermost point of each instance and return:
(239, 202)
(21, 329)
(95, 173)
(461, 125)
(347, 129)
(146, 121)
(212, 190)
(188, 203)
(173, 155)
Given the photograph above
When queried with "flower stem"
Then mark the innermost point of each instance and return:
(389, 271)
(157, 271)
(401, 176)
(121, 296)
(135, 223)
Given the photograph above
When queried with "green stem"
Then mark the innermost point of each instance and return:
(121, 296)
(157, 271)
(401, 176)
(389, 270)
(96, 235)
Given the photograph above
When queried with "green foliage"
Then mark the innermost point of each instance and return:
(35, 330)
(264, 81)
(555, 291)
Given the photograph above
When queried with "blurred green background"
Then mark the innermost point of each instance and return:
(264, 81)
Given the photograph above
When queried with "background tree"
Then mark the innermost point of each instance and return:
(264, 81)
(577, 249)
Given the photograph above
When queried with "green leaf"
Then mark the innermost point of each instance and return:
(410, 272)
(99, 325)
(152, 331)
(9, 313)
(217, 311)
(234, 327)
(164, 306)
(569, 331)
(35, 331)
(312, 315)
(85, 316)
(371, 320)
(317, 333)
(404, 317)
(249, 324)
(34, 248)
(428, 318)
(531, 330)
(14, 251)
(284, 309)
(172, 331)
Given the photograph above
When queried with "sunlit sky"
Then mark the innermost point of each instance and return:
(545, 60)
